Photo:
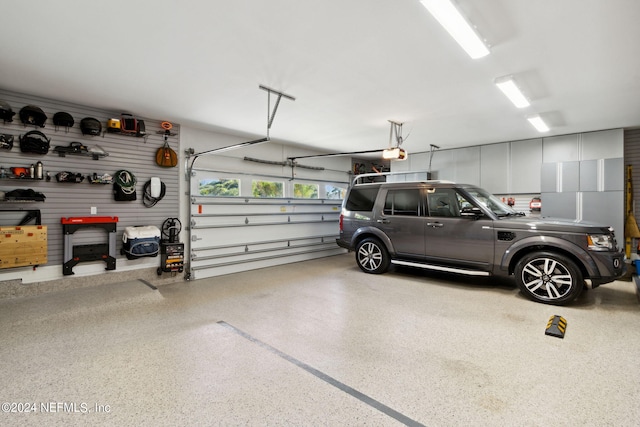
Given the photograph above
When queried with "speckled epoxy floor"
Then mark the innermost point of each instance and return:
(319, 343)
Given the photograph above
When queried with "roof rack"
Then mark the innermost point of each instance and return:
(415, 178)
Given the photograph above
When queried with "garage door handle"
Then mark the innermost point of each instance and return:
(434, 224)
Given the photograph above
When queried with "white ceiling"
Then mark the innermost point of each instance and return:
(352, 65)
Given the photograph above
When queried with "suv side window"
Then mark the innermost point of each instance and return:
(402, 202)
(362, 199)
(463, 203)
(442, 202)
(445, 202)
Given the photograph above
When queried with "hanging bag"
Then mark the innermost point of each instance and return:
(166, 157)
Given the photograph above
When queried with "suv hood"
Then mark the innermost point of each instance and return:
(552, 224)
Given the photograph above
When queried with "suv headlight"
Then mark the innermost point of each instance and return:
(600, 242)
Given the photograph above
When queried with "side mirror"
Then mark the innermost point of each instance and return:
(471, 212)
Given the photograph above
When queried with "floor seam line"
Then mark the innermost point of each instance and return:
(148, 284)
(326, 378)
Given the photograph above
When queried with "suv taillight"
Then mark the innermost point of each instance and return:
(341, 221)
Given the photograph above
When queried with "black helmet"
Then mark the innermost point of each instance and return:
(6, 113)
(32, 115)
(6, 141)
(90, 126)
(63, 119)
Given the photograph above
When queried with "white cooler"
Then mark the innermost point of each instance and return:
(141, 241)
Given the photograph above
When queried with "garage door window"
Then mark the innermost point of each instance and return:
(335, 193)
(267, 189)
(305, 191)
(215, 187)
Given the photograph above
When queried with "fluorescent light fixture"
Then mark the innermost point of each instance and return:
(396, 153)
(538, 123)
(452, 20)
(509, 88)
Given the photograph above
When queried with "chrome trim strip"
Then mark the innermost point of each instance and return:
(440, 268)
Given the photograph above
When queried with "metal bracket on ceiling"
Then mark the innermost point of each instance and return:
(432, 149)
(396, 129)
(270, 116)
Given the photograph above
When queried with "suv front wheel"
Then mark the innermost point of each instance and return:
(549, 278)
(372, 256)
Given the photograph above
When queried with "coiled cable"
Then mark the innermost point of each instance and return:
(149, 201)
(126, 180)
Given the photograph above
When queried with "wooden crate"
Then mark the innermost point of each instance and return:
(23, 246)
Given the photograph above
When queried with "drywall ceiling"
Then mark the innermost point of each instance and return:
(352, 65)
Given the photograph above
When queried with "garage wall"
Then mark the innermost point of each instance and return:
(64, 199)
(230, 234)
(460, 165)
(494, 167)
(583, 177)
(576, 174)
(632, 158)
(525, 156)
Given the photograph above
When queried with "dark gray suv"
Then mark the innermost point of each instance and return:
(463, 229)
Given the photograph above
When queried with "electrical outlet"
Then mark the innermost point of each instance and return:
(94, 210)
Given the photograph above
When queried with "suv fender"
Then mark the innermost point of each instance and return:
(547, 243)
(364, 232)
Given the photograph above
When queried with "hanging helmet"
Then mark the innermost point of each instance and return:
(6, 113)
(6, 141)
(32, 115)
(90, 126)
(63, 119)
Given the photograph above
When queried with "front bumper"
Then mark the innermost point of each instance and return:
(611, 266)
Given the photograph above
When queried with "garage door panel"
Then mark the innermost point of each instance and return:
(236, 234)
(202, 238)
(265, 209)
(220, 221)
(204, 269)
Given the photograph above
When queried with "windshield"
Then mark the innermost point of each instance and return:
(490, 201)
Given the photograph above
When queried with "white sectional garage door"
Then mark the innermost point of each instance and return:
(239, 232)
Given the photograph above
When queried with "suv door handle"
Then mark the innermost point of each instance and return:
(435, 224)
(383, 221)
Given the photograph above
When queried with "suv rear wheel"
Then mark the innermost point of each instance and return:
(372, 256)
(549, 278)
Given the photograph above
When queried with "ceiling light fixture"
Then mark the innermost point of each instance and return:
(509, 87)
(538, 123)
(448, 15)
